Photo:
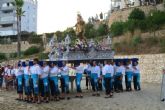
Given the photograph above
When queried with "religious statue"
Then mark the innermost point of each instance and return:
(44, 40)
(54, 48)
(67, 42)
(80, 27)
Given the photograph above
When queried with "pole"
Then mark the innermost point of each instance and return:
(162, 86)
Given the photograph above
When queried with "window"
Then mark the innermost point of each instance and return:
(8, 4)
(7, 25)
(7, 11)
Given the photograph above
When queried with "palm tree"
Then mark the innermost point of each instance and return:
(19, 12)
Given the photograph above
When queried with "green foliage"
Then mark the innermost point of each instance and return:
(70, 31)
(32, 50)
(59, 35)
(155, 20)
(137, 14)
(62, 34)
(142, 25)
(136, 40)
(130, 25)
(43, 56)
(2, 56)
(102, 30)
(34, 39)
(90, 32)
(162, 42)
(151, 23)
(13, 55)
(117, 28)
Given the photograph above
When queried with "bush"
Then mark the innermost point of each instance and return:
(162, 42)
(34, 39)
(2, 56)
(43, 56)
(136, 40)
(90, 32)
(32, 50)
(157, 17)
(137, 14)
(117, 28)
(13, 55)
(142, 25)
(130, 25)
(102, 30)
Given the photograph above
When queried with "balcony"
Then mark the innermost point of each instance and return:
(8, 18)
(6, 1)
(7, 8)
(7, 28)
(8, 22)
(7, 14)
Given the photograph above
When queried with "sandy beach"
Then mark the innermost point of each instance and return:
(147, 99)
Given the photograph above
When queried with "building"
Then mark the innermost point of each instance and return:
(8, 19)
(120, 4)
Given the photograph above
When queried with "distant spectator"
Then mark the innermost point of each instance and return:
(1, 76)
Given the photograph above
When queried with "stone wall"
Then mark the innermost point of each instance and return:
(12, 48)
(122, 15)
(150, 65)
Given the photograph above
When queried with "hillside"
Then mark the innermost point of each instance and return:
(140, 43)
(139, 30)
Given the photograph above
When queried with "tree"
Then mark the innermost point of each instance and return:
(102, 30)
(137, 14)
(155, 21)
(19, 12)
(90, 32)
(117, 28)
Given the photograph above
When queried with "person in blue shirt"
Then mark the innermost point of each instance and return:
(136, 76)
(44, 81)
(53, 76)
(128, 75)
(35, 77)
(95, 76)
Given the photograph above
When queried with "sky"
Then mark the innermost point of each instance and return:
(54, 15)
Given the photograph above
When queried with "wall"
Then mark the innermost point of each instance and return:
(12, 48)
(151, 66)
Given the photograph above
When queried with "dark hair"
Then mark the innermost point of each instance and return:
(36, 60)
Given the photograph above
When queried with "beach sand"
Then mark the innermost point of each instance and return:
(146, 99)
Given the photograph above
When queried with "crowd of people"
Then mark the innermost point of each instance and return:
(38, 81)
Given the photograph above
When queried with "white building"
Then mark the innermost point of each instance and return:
(8, 19)
(120, 4)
